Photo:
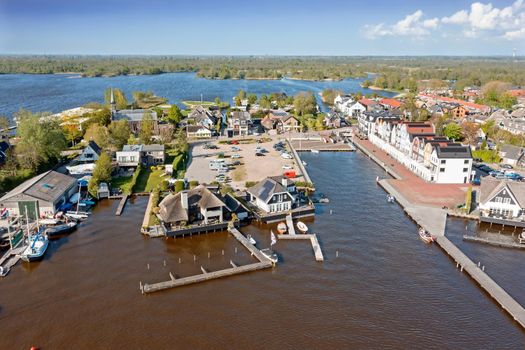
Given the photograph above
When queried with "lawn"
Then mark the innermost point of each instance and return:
(122, 182)
(148, 180)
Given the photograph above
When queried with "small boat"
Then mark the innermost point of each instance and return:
(48, 221)
(61, 229)
(282, 228)
(314, 151)
(87, 202)
(4, 271)
(324, 200)
(304, 163)
(390, 199)
(77, 215)
(302, 226)
(74, 198)
(270, 255)
(36, 248)
(251, 239)
(425, 236)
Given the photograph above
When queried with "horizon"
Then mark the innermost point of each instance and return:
(233, 28)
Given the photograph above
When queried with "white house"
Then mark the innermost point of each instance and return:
(502, 199)
(91, 153)
(133, 155)
(341, 102)
(355, 109)
(273, 194)
(198, 132)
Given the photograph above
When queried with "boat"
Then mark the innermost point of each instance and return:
(270, 255)
(425, 236)
(324, 200)
(74, 198)
(302, 226)
(251, 239)
(61, 229)
(77, 215)
(4, 271)
(36, 248)
(282, 228)
(390, 199)
(314, 150)
(304, 163)
(49, 221)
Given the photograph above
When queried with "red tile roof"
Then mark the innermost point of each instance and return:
(455, 100)
(391, 102)
(367, 102)
(517, 92)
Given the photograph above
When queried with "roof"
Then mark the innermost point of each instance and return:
(200, 113)
(279, 113)
(511, 152)
(93, 145)
(490, 186)
(195, 128)
(391, 102)
(470, 105)
(134, 114)
(153, 148)
(453, 150)
(243, 115)
(367, 102)
(171, 209)
(419, 128)
(132, 148)
(265, 189)
(48, 186)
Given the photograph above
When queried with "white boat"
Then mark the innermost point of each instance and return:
(36, 248)
(251, 239)
(77, 215)
(302, 226)
(314, 150)
(304, 163)
(270, 255)
(74, 198)
(49, 221)
(282, 228)
(4, 271)
(390, 199)
(425, 236)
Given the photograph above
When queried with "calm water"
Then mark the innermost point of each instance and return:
(54, 93)
(386, 290)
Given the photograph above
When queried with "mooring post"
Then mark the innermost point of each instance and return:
(180, 260)
(148, 266)
(208, 255)
(337, 253)
(194, 258)
(164, 262)
(223, 252)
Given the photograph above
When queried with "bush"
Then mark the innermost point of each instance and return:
(249, 184)
(487, 156)
(194, 183)
(304, 184)
(179, 186)
(164, 185)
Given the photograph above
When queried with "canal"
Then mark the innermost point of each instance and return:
(385, 289)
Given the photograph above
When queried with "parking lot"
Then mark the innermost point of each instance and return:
(251, 168)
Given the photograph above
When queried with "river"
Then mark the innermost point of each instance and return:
(385, 290)
(57, 92)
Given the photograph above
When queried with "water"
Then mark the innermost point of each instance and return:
(55, 93)
(386, 290)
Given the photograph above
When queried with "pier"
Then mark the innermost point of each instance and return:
(299, 162)
(173, 282)
(313, 240)
(498, 243)
(121, 205)
(289, 223)
(318, 145)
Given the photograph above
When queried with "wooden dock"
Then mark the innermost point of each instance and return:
(299, 163)
(173, 282)
(11, 257)
(493, 242)
(121, 205)
(515, 310)
(313, 240)
(147, 213)
(289, 223)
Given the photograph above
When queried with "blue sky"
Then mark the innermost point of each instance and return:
(270, 27)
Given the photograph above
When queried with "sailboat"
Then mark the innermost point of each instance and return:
(36, 245)
(268, 252)
(77, 215)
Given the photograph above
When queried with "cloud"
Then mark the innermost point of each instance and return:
(411, 25)
(480, 20)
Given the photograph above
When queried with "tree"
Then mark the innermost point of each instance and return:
(238, 101)
(265, 102)
(241, 94)
(146, 128)
(101, 117)
(329, 96)
(120, 99)
(119, 133)
(39, 140)
(217, 101)
(101, 173)
(305, 103)
(99, 134)
(181, 143)
(174, 115)
(470, 132)
(72, 133)
(166, 133)
(453, 131)
(252, 99)
(4, 126)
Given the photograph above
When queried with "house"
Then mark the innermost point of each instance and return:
(135, 155)
(198, 132)
(192, 207)
(41, 195)
(502, 199)
(289, 123)
(277, 114)
(355, 109)
(90, 153)
(512, 155)
(273, 194)
(235, 206)
(239, 123)
(135, 117)
(341, 102)
(368, 103)
(333, 119)
(390, 103)
(203, 117)
(268, 123)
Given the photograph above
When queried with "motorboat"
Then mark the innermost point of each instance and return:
(36, 248)
(77, 215)
(324, 200)
(390, 199)
(48, 221)
(304, 163)
(61, 229)
(251, 239)
(4, 271)
(282, 228)
(425, 236)
(301, 226)
(270, 255)
(314, 150)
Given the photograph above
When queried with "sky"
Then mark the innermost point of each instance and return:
(269, 27)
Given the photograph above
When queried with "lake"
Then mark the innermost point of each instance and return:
(57, 92)
(386, 289)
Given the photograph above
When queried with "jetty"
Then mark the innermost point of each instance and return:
(299, 162)
(263, 263)
(313, 240)
(490, 241)
(121, 205)
(289, 223)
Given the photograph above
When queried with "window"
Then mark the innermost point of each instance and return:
(465, 161)
(506, 200)
(441, 170)
(465, 170)
(499, 199)
(443, 161)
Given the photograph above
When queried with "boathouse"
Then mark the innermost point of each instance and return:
(40, 195)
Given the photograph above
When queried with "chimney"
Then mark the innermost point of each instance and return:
(184, 199)
(284, 182)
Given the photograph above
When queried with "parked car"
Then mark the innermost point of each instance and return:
(259, 154)
(287, 167)
(476, 181)
(235, 149)
(495, 173)
(236, 156)
(235, 163)
(514, 176)
(506, 166)
(286, 155)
